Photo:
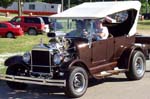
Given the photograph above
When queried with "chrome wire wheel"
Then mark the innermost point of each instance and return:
(79, 82)
(139, 65)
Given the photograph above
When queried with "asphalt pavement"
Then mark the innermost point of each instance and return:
(114, 87)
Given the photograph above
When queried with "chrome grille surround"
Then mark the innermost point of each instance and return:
(41, 61)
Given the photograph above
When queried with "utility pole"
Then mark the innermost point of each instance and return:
(68, 4)
(62, 5)
(147, 7)
(19, 8)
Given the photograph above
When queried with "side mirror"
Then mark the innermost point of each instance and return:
(51, 34)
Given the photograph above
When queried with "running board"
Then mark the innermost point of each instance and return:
(31, 80)
(104, 74)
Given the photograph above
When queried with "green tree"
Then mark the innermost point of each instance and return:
(6, 3)
(145, 6)
(32, 0)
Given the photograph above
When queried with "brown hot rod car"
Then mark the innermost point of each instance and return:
(71, 58)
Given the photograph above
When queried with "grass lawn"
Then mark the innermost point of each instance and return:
(3, 70)
(144, 25)
(20, 44)
(3, 18)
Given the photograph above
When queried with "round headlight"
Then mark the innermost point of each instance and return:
(26, 57)
(57, 59)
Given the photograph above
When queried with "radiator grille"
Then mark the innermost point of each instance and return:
(41, 58)
(41, 61)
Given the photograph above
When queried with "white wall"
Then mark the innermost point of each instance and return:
(14, 6)
(39, 6)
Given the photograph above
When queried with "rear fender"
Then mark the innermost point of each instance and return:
(125, 59)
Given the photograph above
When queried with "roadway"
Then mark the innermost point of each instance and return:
(115, 87)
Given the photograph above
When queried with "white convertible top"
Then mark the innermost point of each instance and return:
(92, 10)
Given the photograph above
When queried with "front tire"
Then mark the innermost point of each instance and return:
(16, 71)
(137, 66)
(77, 82)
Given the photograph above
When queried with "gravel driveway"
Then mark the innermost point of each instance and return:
(144, 32)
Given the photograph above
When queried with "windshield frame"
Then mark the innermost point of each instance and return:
(87, 24)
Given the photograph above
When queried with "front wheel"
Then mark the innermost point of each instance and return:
(137, 66)
(10, 35)
(77, 82)
(16, 71)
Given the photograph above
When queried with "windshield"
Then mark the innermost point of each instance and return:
(71, 27)
(15, 19)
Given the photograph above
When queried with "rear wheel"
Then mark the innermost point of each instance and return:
(16, 71)
(77, 82)
(10, 35)
(32, 31)
(137, 66)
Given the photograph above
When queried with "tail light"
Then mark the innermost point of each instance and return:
(43, 26)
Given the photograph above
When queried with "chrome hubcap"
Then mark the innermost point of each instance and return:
(9, 35)
(139, 65)
(79, 82)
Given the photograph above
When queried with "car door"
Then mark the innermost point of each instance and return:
(110, 49)
(31, 22)
(3, 29)
(99, 52)
(27, 23)
(103, 55)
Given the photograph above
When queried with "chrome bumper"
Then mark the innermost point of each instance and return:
(31, 80)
